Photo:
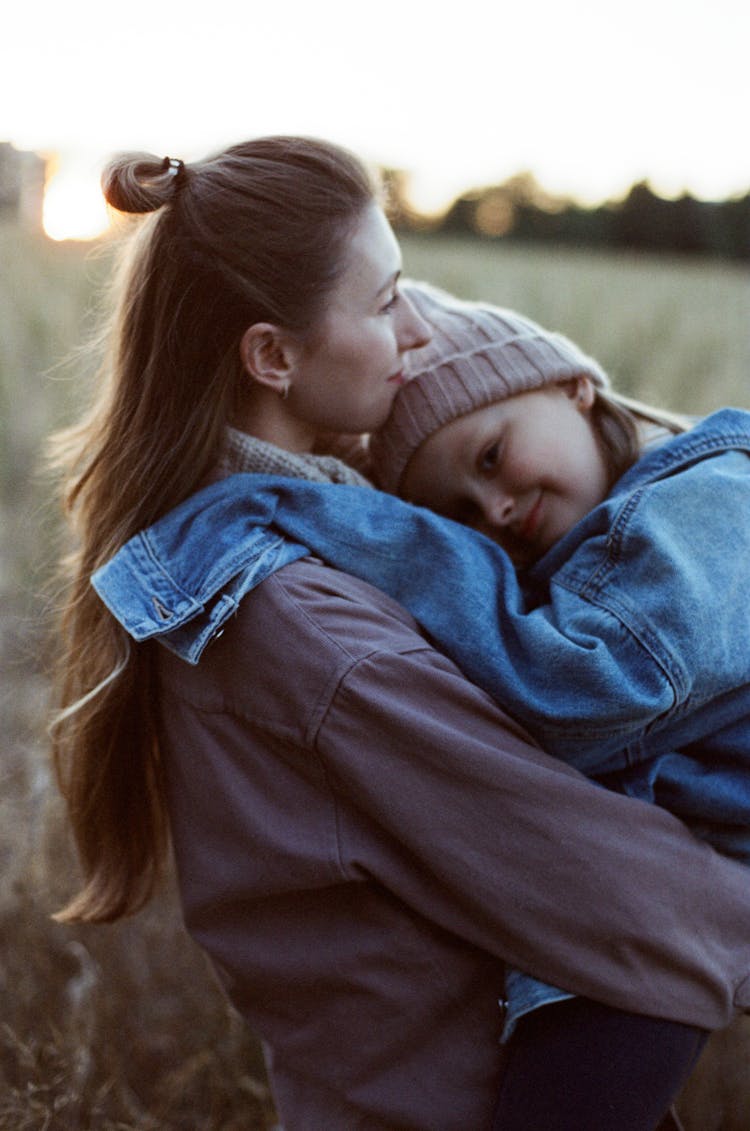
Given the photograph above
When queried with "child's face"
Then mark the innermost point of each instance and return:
(522, 471)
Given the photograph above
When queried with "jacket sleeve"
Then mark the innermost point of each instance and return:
(518, 853)
(635, 630)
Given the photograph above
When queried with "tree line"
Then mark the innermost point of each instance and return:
(521, 210)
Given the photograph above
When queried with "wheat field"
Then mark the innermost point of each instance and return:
(121, 1028)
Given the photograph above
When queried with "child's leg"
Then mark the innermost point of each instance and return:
(581, 1066)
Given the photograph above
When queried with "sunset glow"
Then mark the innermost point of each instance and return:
(74, 207)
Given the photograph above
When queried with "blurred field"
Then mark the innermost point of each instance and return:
(122, 1027)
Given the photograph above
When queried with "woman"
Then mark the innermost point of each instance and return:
(362, 838)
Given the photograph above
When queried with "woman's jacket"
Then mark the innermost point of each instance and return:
(363, 838)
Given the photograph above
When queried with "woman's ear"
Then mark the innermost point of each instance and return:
(269, 355)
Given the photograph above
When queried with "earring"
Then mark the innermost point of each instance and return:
(285, 391)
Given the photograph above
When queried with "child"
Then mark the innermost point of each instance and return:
(623, 646)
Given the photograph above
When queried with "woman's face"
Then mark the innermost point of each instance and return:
(522, 471)
(351, 363)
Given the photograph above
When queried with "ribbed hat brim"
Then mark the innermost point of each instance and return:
(478, 355)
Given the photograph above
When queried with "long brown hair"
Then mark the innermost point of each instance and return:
(257, 233)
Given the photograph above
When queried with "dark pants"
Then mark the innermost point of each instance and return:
(580, 1066)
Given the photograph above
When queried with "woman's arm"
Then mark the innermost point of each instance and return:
(514, 851)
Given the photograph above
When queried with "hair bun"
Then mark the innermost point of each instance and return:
(141, 182)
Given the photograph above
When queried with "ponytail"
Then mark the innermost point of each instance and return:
(257, 233)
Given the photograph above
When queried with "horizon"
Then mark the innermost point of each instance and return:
(591, 101)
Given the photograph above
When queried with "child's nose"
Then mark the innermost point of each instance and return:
(498, 507)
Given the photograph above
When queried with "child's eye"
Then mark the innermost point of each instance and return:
(490, 457)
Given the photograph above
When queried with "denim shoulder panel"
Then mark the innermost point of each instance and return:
(184, 576)
(724, 430)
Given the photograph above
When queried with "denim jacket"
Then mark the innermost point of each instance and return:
(624, 650)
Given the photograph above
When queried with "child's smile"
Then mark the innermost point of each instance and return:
(522, 471)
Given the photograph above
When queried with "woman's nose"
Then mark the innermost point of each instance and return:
(414, 332)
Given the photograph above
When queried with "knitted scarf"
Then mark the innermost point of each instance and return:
(242, 452)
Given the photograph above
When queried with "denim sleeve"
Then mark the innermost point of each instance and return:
(580, 688)
(630, 637)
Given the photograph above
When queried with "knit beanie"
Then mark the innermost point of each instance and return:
(479, 354)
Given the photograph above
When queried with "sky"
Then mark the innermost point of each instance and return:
(590, 97)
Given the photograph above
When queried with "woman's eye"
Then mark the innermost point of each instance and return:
(489, 458)
(392, 301)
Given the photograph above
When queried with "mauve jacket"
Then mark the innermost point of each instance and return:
(363, 839)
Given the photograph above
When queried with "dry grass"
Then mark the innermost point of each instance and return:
(122, 1027)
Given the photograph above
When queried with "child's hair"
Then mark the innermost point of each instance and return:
(620, 422)
(257, 233)
(481, 354)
